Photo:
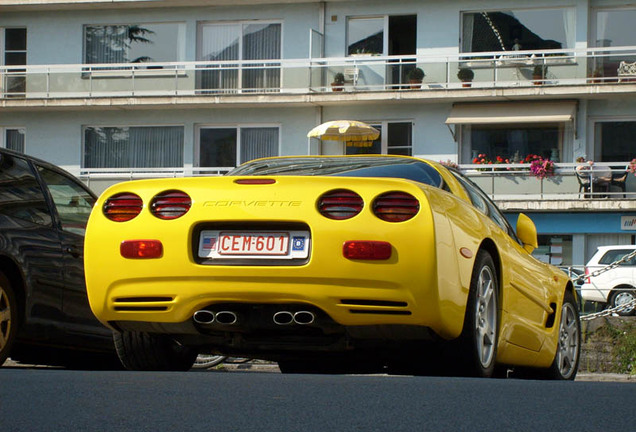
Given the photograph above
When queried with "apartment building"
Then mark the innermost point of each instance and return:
(119, 89)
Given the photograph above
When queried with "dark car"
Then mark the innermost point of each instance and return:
(44, 313)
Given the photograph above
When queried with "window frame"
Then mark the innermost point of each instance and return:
(3, 137)
(180, 54)
(238, 127)
(571, 44)
(86, 126)
(596, 146)
(384, 137)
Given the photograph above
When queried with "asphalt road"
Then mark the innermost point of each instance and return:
(63, 400)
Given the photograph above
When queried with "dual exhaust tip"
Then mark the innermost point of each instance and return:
(300, 318)
(204, 316)
(281, 318)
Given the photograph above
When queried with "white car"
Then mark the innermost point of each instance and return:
(616, 286)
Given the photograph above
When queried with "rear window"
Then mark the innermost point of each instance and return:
(615, 255)
(391, 167)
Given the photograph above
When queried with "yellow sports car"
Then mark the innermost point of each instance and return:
(328, 264)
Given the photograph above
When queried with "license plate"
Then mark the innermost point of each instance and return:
(253, 244)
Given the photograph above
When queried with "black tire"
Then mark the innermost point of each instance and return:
(141, 351)
(8, 318)
(476, 348)
(621, 296)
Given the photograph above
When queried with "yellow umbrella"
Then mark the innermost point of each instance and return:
(344, 130)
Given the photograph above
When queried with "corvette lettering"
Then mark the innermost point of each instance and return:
(252, 203)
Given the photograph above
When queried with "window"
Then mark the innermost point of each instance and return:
(614, 141)
(13, 138)
(240, 41)
(554, 249)
(133, 147)
(485, 205)
(530, 29)
(395, 138)
(13, 52)
(20, 193)
(385, 35)
(72, 201)
(134, 43)
(613, 28)
(512, 143)
(614, 255)
(232, 146)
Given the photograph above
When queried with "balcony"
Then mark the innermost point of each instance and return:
(308, 81)
(513, 186)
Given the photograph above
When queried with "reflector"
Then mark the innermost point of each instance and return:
(141, 249)
(366, 250)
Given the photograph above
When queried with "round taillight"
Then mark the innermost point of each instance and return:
(122, 207)
(340, 204)
(170, 204)
(396, 206)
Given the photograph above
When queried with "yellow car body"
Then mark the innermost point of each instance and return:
(419, 292)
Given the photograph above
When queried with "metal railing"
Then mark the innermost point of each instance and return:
(607, 180)
(315, 75)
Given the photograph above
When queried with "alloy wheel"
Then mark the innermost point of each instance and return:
(486, 317)
(568, 349)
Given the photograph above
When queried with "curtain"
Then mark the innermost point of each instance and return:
(261, 42)
(106, 44)
(258, 143)
(133, 147)
(15, 139)
(468, 22)
(220, 42)
(569, 27)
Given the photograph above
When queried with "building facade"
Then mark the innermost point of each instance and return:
(113, 90)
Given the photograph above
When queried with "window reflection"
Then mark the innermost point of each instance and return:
(365, 36)
(508, 30)
(514, 143)
(133, 43)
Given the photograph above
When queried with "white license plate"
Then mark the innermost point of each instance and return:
(253, 244)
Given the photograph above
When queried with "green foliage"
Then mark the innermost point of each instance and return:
(465, 74)
(339, 78)
(623, 341)
(416, 74)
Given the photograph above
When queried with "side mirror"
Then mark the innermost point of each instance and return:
(527, 233)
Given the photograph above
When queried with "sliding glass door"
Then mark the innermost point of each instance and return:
(222, 43)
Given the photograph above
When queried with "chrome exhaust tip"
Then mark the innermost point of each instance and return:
(226, 317)
(304, 317)
(283, 318)
(203, 317)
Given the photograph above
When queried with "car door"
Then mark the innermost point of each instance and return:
(29, 241)
(524, 284)
(73, 203)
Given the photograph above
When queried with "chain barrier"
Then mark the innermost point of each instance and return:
(609, 311)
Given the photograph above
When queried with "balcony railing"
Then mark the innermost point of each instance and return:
(512, 182)
(315, 75)
(503, 182)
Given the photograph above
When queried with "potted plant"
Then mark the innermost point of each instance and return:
(338, 82)
(415, 77)
(465, 75)
(597, 75)
(539, 73)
